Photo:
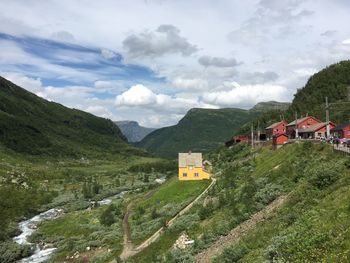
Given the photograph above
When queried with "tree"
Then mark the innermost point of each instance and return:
(107, 217)
(86, 191)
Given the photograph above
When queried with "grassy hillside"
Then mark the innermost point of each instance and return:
(199, 130)
(32, 125)
(310, 226)
(334, 82)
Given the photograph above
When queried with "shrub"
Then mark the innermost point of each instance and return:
(324, 175)
(107, 217)
(232, 254)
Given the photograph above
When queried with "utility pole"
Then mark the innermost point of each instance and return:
(252, 136)
(296, 126)
(258, 139)
(327, 119)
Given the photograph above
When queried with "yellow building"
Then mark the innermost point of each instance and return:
(191, 167)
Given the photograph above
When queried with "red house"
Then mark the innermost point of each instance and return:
(242, 138)
(302, 123)
(341, 131)
(276, 128)
(280, 139)
(316, 131)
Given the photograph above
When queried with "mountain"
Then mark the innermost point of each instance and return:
(199, 130)
(32, 125)
(332, 82)
(133, 131)
(271, 105)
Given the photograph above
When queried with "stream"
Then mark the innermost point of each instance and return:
(27, 227)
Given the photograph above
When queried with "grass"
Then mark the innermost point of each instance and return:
(160, 205)
(311, 227)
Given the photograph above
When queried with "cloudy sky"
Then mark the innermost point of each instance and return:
(153, 60)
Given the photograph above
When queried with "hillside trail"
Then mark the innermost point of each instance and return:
(129, 249)
(238, 232)
(127, 242)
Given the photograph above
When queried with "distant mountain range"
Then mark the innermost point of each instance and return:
(133, 131)
(199, 130)
(32, 125)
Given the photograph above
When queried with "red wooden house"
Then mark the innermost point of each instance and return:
(280, 139)
(276, 128)
(341, 131)
(302, 123)
(242, 138)
(316, 131)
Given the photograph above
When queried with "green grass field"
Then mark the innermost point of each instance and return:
(152, 210)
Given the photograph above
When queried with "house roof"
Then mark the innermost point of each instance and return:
(340, 127)
(273, 125)
(186, 159)
(299, 120)
(313, 128)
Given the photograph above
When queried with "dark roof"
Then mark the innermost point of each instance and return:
(273, 125)
(340, 127)
(313, 128)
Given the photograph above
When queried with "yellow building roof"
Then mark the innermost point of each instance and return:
(190, 159)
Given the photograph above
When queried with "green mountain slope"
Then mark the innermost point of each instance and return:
(334, 82)
(270, 105)
(199, 130)
(32, 125)
(311, 225)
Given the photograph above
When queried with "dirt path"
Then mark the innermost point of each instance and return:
(129, 250)
(238, 232)
(127, 244)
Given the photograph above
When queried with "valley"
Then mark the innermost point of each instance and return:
(72, 189)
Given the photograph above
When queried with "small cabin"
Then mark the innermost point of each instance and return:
(191, 167)
(276, 128)
(279, 140)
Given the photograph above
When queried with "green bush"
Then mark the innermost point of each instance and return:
(324, 174)
(107, 217)
(11, 251)
(231, 254)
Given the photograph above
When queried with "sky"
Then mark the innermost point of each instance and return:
(153, 60)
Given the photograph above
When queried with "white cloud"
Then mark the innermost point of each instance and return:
(108, 54)
(245, 95)
(103, 85)
(32, 84)
(165, 40)
(190, 84)
(220, 62)
(137, 95)
(346, 42)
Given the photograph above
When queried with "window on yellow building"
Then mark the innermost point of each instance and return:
(196, 174)
(184, 174)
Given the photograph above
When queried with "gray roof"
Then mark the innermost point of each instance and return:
(299, 120)
(186, 159)
(313, 128)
